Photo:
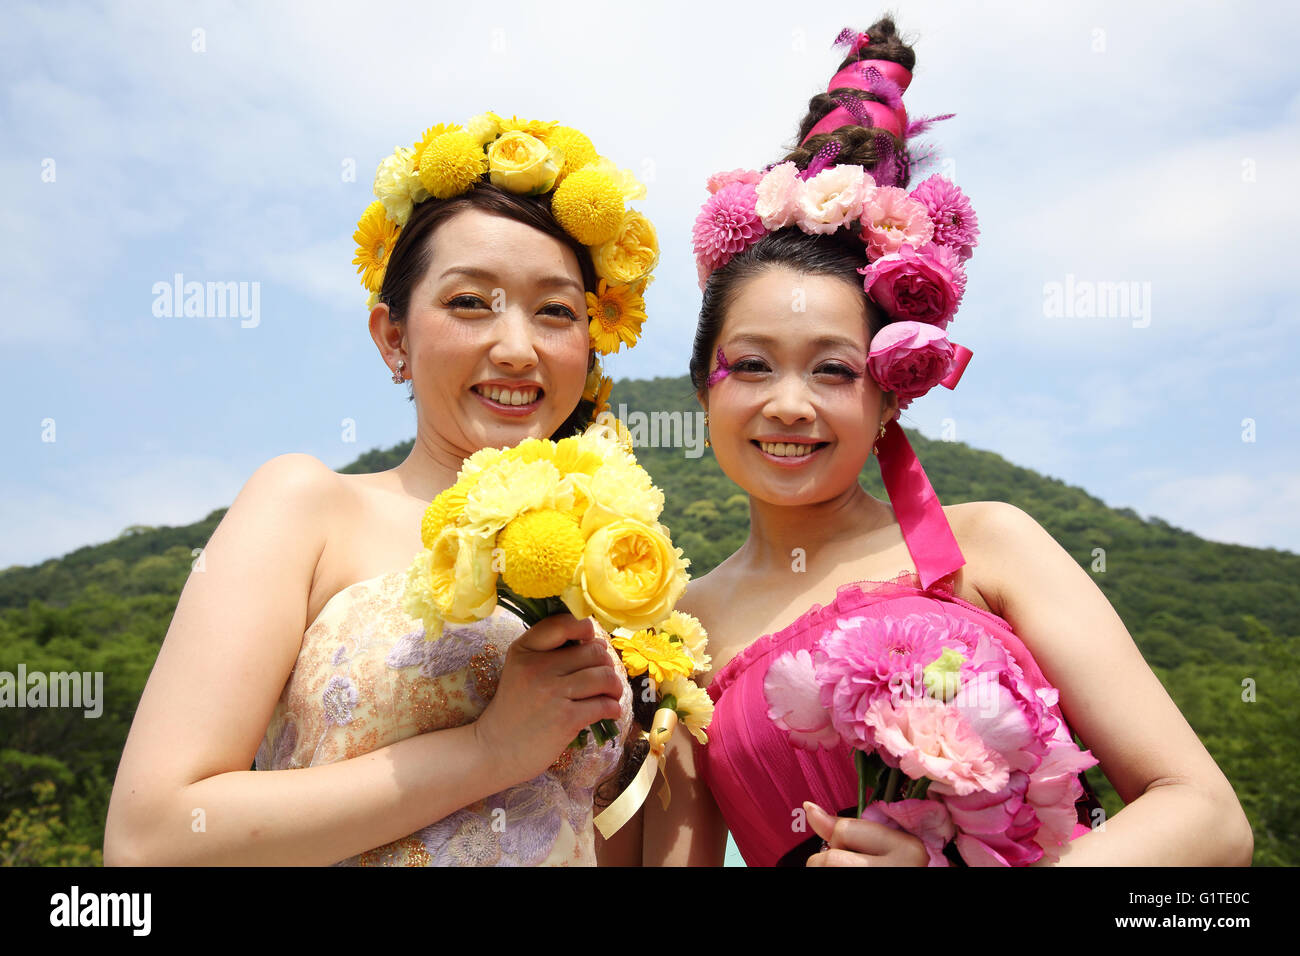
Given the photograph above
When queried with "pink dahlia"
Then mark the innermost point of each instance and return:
(865, 658)
(726, 225)
(890, 218)
(950, 211)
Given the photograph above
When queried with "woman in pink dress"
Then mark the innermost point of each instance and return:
(826, 298)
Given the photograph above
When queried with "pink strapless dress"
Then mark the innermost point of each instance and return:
(757, 777)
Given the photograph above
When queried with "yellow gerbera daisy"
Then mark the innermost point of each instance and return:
(539, 128)
(375, 237)
(616, 315)
(648, 650)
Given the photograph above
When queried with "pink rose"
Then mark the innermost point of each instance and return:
(910, 358)
(718, 180)
(924, 286)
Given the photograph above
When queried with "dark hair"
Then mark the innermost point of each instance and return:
(409, 261)
(839, 255)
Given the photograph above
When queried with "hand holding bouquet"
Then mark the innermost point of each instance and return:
(952, 742)
(545, 527)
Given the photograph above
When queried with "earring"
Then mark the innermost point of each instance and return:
(707, 442)
(878, 437)
(398, 377)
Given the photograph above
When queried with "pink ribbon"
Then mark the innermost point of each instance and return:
(854, 77)
(925, 528)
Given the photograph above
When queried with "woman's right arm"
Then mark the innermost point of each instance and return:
(184, 793)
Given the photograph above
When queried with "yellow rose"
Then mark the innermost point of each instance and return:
(629, 256)
(630, 576)
(521, 163)
(464, 581)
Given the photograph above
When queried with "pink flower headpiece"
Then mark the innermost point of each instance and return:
(916, 245)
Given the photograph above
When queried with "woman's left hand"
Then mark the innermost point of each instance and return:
(862, 842)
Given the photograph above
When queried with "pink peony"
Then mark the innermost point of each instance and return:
(778, 196)
(718, 180)
(926, 738)
(910, 358)
(927, 820)
(833, 198)
(950, 211)
(726, 225)
(790, 688)
(924, 286)
(890, 218)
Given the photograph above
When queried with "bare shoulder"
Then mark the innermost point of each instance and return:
(998, 539)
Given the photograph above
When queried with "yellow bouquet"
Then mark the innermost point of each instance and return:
(545, 527)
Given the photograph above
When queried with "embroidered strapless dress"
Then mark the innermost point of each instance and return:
(365, 678)
(757, 777)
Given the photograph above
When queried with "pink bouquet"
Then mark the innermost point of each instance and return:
(952, 742)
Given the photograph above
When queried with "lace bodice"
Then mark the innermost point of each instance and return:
(365, 678)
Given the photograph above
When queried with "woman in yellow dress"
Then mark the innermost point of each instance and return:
(500, 258)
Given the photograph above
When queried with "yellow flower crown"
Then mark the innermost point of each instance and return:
(528, 157)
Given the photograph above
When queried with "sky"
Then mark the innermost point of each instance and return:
(1148, 149)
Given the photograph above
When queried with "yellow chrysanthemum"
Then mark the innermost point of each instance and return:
(577, 149)
(539, 128)
(429, 135)
(375, 236)
(541, 551)
(616, 315)
(648, 650)
(445, 509)
(450, 163)
(589, 205)
(694, 705)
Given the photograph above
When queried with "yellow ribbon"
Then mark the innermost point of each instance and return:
(611, 819)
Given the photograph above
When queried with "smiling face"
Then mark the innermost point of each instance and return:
(794, 421)
(495, 334)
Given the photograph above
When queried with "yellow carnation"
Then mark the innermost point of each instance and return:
(648, 651)
(451, 163)
(694, 706)
(589, 205)
(520, 163)
(630, 576)
(616, 312)
(375, 237)
(485, 127)
(627, 184)
(575, 146)
(692, 634)
(532, 449)
(509, 488)
(397, 186)
(621, 489)
(541, 551)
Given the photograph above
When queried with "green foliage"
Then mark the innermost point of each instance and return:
(1206, 616)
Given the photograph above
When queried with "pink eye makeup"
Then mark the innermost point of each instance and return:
(719, 373)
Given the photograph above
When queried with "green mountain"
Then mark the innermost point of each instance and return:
(1216, 622)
